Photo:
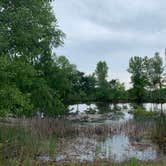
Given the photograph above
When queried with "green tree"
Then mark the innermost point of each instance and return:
(155, 71)
(28, 28)
(137, 69)
(117, 91)
(83, 87)
(101, 71)
(28, 33)
(102, 84)
(64, 76)
(12, 99)
(88, 86)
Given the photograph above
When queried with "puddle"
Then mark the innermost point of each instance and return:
(120, 148)
(117, 148)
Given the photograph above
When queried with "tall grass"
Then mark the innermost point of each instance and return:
(21, 143)
(159, 133)
(158, 119)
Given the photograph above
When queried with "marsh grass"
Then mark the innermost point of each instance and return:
(22, 142)
(159, 133)
(158, 121)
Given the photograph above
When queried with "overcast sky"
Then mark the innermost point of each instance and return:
(111, 30)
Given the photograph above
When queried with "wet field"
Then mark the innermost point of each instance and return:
(108, 132)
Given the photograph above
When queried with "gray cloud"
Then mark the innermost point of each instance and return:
(111, 30)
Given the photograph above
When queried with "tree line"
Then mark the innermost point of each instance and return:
(33, 78)
(148, 79)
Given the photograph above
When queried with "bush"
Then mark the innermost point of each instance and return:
(141, 114)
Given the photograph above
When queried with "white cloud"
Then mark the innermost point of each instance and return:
(111, 30)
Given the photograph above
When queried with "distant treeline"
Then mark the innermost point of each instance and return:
(33, 78)
(147, 79)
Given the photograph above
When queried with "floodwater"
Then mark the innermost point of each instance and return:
(81, 108)
(119, 147)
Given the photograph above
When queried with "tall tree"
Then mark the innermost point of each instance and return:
(28, 28)
(137, 69)
(102, 84)
(28, 32)
(155, 72)
(101, 71)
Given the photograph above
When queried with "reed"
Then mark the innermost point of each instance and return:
(23, 141)
(159, 133)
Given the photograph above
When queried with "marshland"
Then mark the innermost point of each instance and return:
(92, 112)
(126, 134)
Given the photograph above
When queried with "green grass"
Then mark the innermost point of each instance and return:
(142, 114)
(19, 143)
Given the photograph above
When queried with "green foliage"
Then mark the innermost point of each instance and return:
(33, 79)
(28, 32)
(28, 28)
(137, 69)
(147, 77)
(117, 91)
(101, 71)
(155, 70)
(13, 101)
(102, 84)
(142, 114)
(108, 91)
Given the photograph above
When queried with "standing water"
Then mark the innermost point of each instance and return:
(119, 146)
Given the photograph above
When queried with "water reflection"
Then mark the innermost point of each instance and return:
(81, 108)
(117, 148)
(103, 107)
(109, 107)
(120, 148)
(105, 113)
(154, 107)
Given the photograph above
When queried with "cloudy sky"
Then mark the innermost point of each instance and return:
(111, 30)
